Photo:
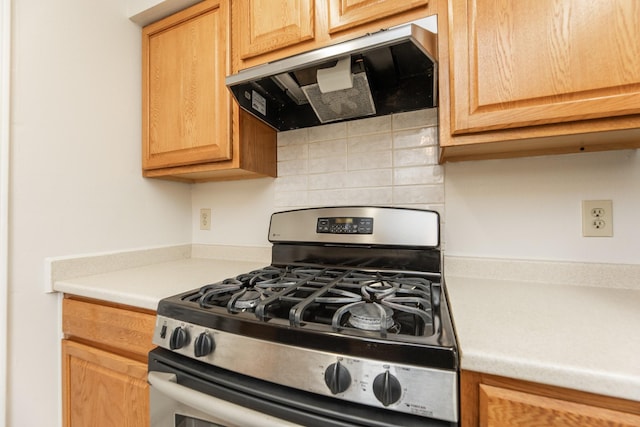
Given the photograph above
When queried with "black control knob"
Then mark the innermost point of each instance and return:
(387, 388)
(337, 378)
(179, 338)
(204, 345)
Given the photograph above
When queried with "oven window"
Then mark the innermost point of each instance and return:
(184, 421)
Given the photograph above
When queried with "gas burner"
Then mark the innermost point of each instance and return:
(370, 317)
(246, 299)
(261, 275)
(217, 293)
(378, 290)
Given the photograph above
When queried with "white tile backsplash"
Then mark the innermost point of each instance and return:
(418, 137)
(370, 160)
(389, 160)
(325, 181)
(328, 132)
(291, 183)
(369, 126)
(370, 196)
(367, 143)
(297, 136)
(328, 198)
(293, 152)
(330, 148)
(327, 164)
(423, 156)
(370, 178)
(415, 119)
(293, 167)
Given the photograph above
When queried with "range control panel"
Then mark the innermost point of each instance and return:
(345, 225)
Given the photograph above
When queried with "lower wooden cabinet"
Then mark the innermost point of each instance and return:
(104, 369)
(492, 401)
(102, 389)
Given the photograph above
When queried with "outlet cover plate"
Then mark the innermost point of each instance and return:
(597, 218)
(205, 219)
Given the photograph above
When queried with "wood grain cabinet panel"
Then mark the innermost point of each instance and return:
(493, 401)
(503, 407)
(268, 25)
(186, 104)
(102, 389)
(516, 64)
(346, 14)
(191, 131)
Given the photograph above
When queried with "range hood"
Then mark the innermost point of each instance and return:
(390, 71)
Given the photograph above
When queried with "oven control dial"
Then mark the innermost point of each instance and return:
(203, 345)
(337, 378)
(387, 388)
(179, 338)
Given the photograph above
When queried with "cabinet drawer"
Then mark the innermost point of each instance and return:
(501, 406)
(119, 328)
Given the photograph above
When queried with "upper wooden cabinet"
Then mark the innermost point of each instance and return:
(525, 63)
(183, 77)
(273, 24)
(347, 14)
(274, 29)
(531, 70)
(190, 131)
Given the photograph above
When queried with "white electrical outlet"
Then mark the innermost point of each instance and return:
(597, 218)
(205, 219)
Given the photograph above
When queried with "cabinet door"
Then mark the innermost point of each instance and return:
(504, 407)
(346, 14)
(101, 389)
(516, 64)
(185, 101)
(267, 25)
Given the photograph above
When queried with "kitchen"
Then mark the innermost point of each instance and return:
(76, 188)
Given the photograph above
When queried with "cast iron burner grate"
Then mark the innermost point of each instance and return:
(381, 302)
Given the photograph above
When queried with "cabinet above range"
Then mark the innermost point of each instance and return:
(276, 29)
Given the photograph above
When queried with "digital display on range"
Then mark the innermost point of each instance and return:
(344, 220)
(345, 225)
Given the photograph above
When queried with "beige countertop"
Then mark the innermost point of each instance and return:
(578, 336)
(144, 286)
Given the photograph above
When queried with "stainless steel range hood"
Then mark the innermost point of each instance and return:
(387, 72)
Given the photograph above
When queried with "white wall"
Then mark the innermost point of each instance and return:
(240, 212)
(531, 208)
(76, 185)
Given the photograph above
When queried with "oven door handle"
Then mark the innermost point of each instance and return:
(226, 412)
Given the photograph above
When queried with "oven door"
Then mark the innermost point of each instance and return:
(188, 393)
(174, 405)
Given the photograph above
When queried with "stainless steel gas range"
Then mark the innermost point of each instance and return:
(348, 326)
